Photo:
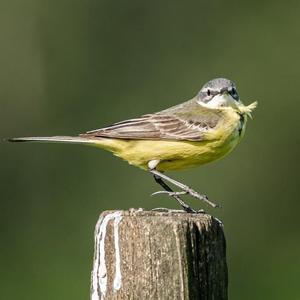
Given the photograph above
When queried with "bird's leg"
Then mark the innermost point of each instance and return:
(173, 194)
(185, 189)
(152, 165)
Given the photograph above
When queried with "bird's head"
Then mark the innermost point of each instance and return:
(222, 93)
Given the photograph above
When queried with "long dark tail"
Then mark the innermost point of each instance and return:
(53, 139)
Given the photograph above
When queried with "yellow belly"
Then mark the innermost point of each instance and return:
(177, 155)
(173, 155)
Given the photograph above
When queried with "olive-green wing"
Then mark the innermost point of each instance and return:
(188, 121)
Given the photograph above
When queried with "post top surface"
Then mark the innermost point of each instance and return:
(163, 214)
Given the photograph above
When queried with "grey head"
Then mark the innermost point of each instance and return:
(215, 92)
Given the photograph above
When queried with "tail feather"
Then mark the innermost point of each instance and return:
(53, 139)
(104, 143)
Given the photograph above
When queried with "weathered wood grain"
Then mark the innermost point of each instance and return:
(158, 255)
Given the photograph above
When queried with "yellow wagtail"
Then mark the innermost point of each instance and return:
(193, 133)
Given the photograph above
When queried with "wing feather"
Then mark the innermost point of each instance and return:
(151, 127)
(188, 121)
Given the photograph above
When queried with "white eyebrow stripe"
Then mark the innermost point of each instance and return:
(231, 88)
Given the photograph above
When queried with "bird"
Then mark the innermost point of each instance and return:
(193, 133)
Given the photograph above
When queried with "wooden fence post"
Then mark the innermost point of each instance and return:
(158, 255)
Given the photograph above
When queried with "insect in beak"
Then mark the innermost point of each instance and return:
(247, 109)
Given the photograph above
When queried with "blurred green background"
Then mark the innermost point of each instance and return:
(69, 66)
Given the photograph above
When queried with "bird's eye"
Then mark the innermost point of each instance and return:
(234, 94)
(208, 92)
